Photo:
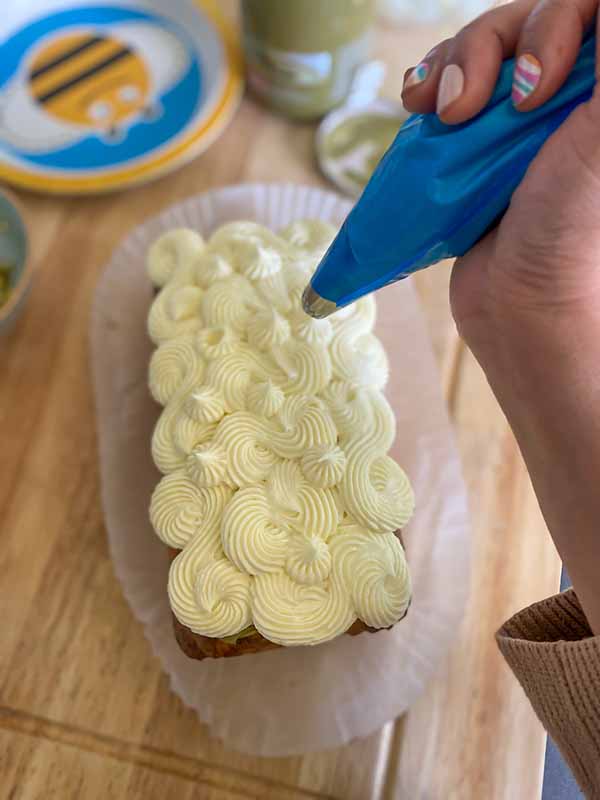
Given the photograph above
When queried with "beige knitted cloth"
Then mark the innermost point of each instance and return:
(556, 658)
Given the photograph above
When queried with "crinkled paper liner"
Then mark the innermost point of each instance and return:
(292, 700)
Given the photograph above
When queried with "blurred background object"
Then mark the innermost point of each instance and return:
(351, 140)
(15, 269)
(307, 58)
(95, 97)
(432, 10)
(302, 55)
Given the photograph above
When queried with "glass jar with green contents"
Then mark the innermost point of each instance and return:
(302, 55)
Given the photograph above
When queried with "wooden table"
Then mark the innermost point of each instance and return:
(85, 711)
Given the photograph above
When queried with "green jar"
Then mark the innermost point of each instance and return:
(301, 55)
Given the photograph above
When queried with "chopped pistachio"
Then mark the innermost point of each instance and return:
(249, 631)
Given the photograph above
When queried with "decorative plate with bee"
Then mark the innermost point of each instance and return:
(99, 96)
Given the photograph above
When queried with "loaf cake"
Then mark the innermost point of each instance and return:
(278, 502)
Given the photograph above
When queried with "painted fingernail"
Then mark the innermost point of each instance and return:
(418, 75)
(451, 86)
(528, 72)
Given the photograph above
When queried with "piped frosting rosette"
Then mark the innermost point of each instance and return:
(273, 442)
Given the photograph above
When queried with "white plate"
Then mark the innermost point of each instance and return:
(101, 95)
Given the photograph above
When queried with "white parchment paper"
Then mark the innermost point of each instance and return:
(291, 700)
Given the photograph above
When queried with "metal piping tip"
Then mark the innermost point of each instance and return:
(315, 305)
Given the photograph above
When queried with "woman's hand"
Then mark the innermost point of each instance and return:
(527, 297)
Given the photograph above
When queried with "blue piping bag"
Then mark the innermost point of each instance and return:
(439, 188)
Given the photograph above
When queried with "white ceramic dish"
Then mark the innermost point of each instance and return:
(337, 169)
(96, 96)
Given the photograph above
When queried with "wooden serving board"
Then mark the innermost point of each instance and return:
(85, 711)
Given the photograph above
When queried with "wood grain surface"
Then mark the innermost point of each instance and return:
(85, 711)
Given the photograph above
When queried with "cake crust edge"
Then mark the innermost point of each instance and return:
(199, 647)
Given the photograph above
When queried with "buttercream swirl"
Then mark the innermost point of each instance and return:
(369, 365)
(303, 422)
(360, 414)
(374, 572)
(308, 559)
(273, 439)
(316, 332)
(376, 491)
(176, 310)
(179, 511)
(228, 304)
(311, 237)
(264, 398)
(323, 465)
(297, 274)
(300, 506)
(292, 613)
(358, 359)
(188, 433)
(176, 434)
(284, 484)
(244, 437)
(211, 267)
(308, 367)
(261, 261)
(234, 372)
(358, 317)
(243, 243)
(213, 343)
(209, 595)
(172, 257)
(267, 328)
(204, 404)
(207, 465)
(274, 291)
(251, 537)
(171, 365)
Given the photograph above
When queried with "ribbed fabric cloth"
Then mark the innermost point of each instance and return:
(554, 655)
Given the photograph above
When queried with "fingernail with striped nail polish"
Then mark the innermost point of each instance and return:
(418, 75)
(451, 86)
(528, 72)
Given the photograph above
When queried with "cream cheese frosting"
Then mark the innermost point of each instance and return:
(273, 440)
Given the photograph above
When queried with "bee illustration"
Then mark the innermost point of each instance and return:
(89, 81)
